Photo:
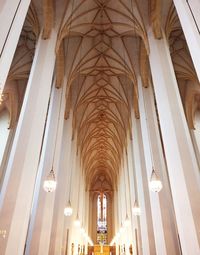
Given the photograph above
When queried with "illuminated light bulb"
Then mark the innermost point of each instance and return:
(82, 230)
(155, 183)
(136, 209)
(68, 209)
(122, 229)
(127, 221)
(118, 235)
(49, 184)
(1, 96)
(85, 235)
(77, 222)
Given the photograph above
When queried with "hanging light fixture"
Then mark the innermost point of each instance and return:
(136, 209)
(127, 221)
(68, 209)
(121, 230)
(77, 222)
(82, 230)
(2, 96)
(155, 183)
(50, 182)
(117, 235)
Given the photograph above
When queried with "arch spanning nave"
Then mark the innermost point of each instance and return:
(100, 127)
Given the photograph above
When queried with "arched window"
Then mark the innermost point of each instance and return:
(102, 218)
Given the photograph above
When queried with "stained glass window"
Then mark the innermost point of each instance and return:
(102, 218)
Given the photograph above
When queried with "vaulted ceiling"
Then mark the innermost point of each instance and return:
(101, 49)
(98, 48)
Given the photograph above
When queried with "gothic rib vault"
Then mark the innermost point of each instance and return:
(102, 126)
(102, 82)
(102, 47)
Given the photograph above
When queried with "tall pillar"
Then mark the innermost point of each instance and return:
(188, 13)
(131, 188)
(15, 201)
(194, 8)
(182, 165)
(161, 204)
(195, 134)
(94, 217)
(12, 17)
(45, 163)
(61, 198)
(115, 213)
(110, 218)
(145, 219)
(6, 144)
(69, 221)
(49, 204)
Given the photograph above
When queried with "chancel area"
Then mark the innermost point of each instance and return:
(100, 127)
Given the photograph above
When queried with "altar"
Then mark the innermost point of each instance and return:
(101, 250)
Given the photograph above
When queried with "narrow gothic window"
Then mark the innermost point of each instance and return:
(102, 219)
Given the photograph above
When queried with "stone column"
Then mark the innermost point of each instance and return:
(90, 215)
(6, 141)
(182, 165)
(115, 213)
(69, 222)
(188, 13)
(145, 219)
(94, 218)
(129, 170)
(87, 208)
(194, 8)
(195, 134)
(18, 187)
(161, 204)
(12, 17)
(110, 218)
(41, 221)
(61, 196)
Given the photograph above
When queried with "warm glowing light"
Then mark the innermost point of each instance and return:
(82, 230)
(77, 222)
(122, 229)
(155, 183)
(118, 235)
(68, 209)
(127, 221)
(1, 96)
(136, 209)
(50, 183)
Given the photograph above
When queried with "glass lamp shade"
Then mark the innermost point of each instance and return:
(118, 235)
(127, 221)
(121, 230)
(49, 184)
(68, 209)
(155, 183)
(85, 235)
(1, 96)
(136, 209)
(77, 222)
(82, 230)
